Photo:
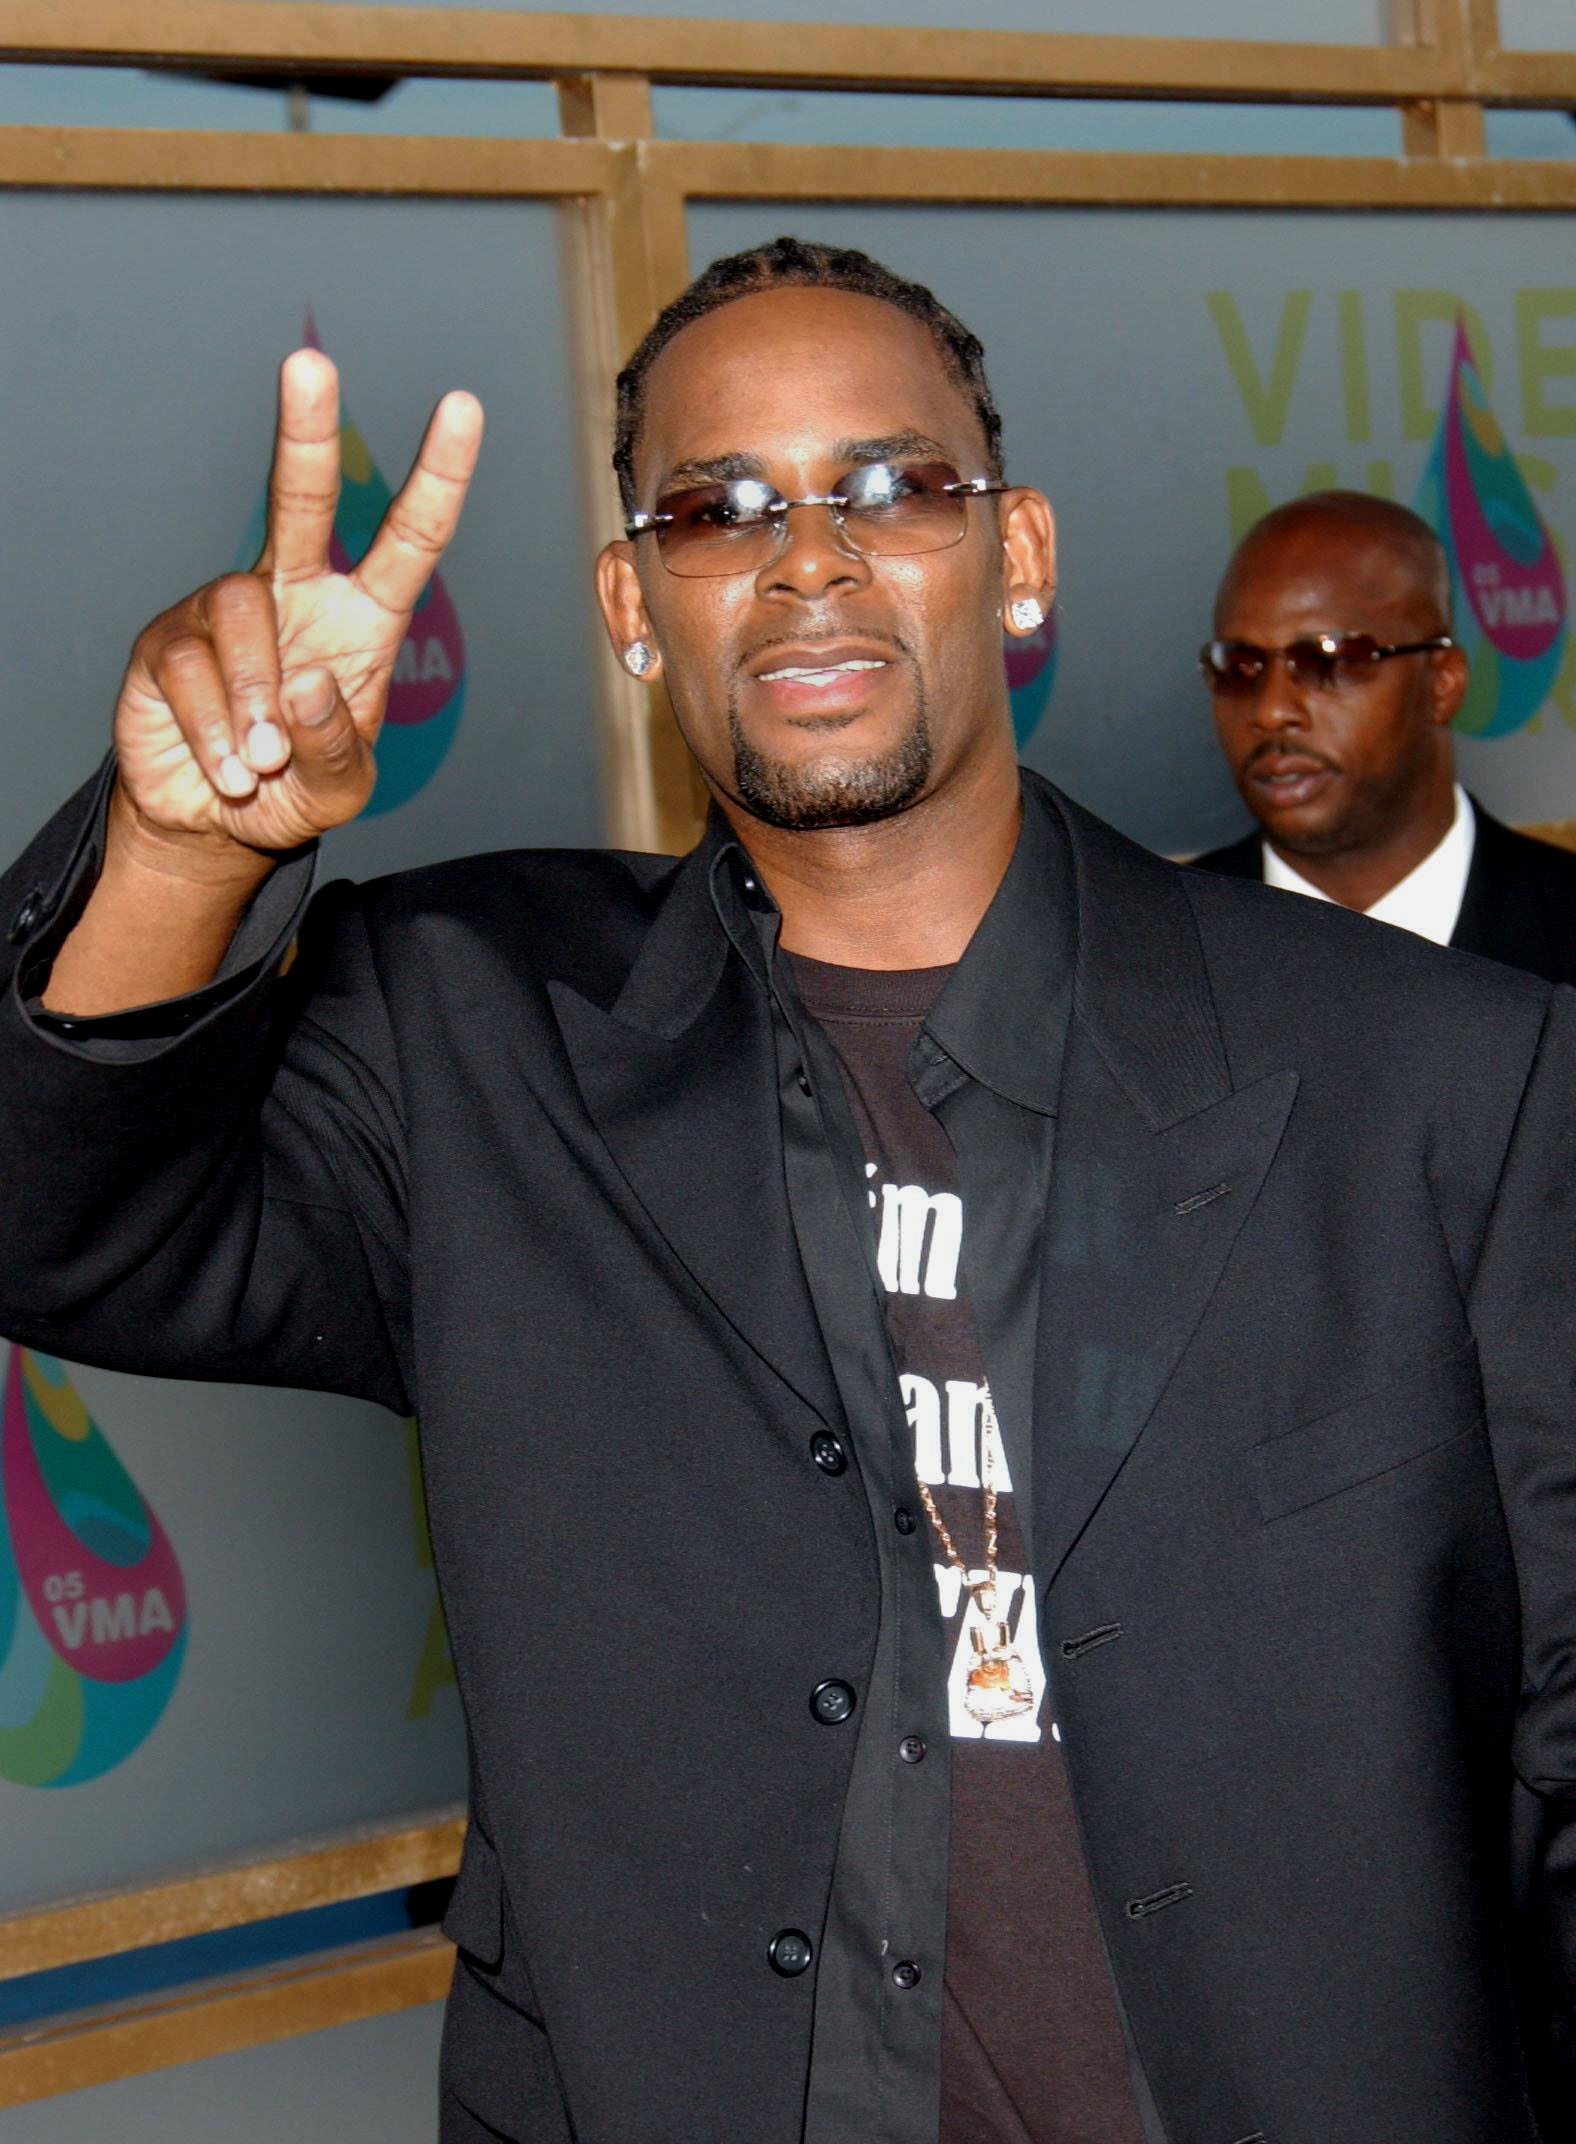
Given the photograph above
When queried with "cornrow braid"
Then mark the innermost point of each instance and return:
(799, 262)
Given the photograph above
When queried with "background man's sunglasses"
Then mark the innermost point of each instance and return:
(881, 509)
(1237, 669)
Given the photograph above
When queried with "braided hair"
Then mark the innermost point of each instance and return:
(801, 263)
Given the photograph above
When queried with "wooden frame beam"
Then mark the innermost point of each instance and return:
(151, 159)
(739, 171)
(1537, 80)
(230, 1895)
(648, 183)
(625, 255)
(1439, 49)
(1561, 832)
(337, 1988)
(292, 37)
(1450, 49)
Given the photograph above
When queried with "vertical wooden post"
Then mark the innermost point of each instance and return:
(1448, 125)
(1482, 30)
(625, 256)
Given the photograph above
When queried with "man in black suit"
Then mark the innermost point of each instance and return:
(998, 1425)
(1335, 680)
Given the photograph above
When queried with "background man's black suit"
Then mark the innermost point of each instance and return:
(1520, 901)
(504, 1147)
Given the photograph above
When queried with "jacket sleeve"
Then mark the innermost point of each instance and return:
(1523, 1307)
(212, 1188)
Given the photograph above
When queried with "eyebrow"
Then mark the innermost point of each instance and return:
(891, 447)
(734, 468)
(714, 469)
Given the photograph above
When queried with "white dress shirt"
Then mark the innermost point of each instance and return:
(1428, 900)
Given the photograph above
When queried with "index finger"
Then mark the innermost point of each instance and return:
(303, 489)
(426, 510)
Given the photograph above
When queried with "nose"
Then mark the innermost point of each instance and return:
(813, 557)
(1281, 701)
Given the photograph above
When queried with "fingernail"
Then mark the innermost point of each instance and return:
(312, 697)
(236, 778)
(264, 743)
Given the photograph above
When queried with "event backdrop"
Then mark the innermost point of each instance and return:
(217, 1626)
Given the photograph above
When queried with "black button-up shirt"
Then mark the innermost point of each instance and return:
(987, 1063)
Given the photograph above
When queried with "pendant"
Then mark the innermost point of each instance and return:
(998, 1686)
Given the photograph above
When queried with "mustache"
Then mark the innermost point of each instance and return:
(1275, 748)
(823, 636)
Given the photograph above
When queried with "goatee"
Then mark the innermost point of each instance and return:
(832, 791)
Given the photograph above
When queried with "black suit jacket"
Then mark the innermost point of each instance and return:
(504, 1147)
(1519, 905)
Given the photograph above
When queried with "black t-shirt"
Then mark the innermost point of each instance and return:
(1032, 2051)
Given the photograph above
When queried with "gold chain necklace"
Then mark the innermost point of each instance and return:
(998, 1686)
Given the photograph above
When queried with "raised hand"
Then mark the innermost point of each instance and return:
(249, 711)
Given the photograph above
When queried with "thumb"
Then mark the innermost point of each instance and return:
(331, 762)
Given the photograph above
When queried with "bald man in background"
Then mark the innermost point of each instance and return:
(1335, 679)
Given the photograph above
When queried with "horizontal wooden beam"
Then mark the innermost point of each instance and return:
(744, 171)
(151, 159)
(337, 1988)
(294, 37)
(1562, 832)
(386, 1858)
(139, 159)
(1546, 79)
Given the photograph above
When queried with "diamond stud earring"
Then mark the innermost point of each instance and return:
(639, 659)
(1026, 615)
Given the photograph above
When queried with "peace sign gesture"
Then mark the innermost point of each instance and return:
(249, 711)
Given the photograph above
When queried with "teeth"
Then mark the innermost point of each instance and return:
(822, 670)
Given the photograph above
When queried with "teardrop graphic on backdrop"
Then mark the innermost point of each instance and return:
(92, 1601)
(1031, 673)
(1507, 585)
(427, 695)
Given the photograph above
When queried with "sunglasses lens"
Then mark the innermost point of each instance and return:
(894, 510)
(1358, 655)
(1317, 662)
(1231, 667)
(718, 528)
(1331, 663)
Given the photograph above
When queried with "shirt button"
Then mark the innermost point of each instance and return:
(912, 1749)
(827, 1453)
(906, 1974)
(903, 1519)
(789, 1952)
(832, 1702)
(804, 1081)
(27, 916)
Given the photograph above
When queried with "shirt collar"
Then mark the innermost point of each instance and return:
(1002, 1014)
(744, 908)
(1428, 900)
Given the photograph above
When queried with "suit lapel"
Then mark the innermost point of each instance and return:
(1158, 1162)
(679, 1077)
(1138, 1230)
(1500, 916)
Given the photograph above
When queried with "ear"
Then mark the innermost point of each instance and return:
(1449, 675)
(623, 607)
(1028, 555)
